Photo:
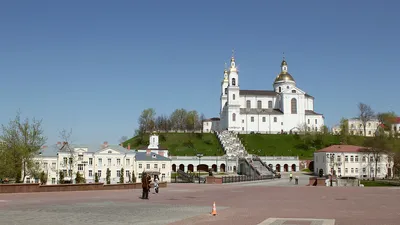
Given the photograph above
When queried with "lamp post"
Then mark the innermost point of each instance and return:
(199, 155)
(216, 162)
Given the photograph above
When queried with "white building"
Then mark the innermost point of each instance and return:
(89, 160)
(285, 108)
(351, 161)
(212, 124)
(356, 127)
(154, 147)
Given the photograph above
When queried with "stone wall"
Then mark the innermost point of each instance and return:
(24, 188)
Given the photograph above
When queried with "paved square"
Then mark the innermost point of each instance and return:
(269, 202)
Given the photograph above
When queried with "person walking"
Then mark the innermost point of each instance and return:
(155, 185)
(290, 177)
(146, 179)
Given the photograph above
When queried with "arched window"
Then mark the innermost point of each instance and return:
(280, 89)
(233, 81)
(226, 90)
(259, 104)
(233, 96)
(248, 104)
(293, 103)
(234, 117)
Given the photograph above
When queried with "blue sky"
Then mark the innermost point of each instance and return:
(93, 66)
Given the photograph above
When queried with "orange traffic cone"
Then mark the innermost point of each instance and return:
(214, 210)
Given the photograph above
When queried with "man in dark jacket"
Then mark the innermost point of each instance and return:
(146, 179)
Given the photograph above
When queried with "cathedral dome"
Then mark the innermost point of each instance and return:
(283, 77)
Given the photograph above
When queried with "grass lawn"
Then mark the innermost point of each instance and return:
(183, 144)
(380, 183)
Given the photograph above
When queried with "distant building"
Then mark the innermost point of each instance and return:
(154, 164)
(210, 125)
(356, 127)
(351, 161)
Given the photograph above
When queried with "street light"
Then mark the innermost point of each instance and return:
(199, 155)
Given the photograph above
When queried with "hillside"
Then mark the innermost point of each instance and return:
(189, 144)
(182, 144)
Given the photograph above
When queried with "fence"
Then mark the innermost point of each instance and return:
(233, 179)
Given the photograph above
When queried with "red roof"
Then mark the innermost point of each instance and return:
(397, 120)
(342, 148)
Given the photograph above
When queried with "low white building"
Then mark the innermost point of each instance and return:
(89, 160)
(356, 127)
(352, 161)
(282, 163)
(210, 125)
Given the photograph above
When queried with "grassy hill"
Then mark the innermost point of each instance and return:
(182, 144)
(189, 144)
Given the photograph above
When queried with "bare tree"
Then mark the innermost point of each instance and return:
(22, 141)
(366, 114)
(376, 147)
(147, 120)
(66, 146)
(123, 139)
(178, 119)
(192, 118)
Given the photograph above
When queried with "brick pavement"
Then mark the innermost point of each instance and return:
(191, 204)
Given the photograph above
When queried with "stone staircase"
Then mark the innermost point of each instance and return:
(185, 176)
(262, 167)
(231, 144)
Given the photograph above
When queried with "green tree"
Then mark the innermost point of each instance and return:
(96, 178)
(61, 177)
(121, 176)
(79, 179)
(366, 114)
(22, 141)
(375, 147)
(344, 130)
(147, 120)
(43, 178)
(108, 176)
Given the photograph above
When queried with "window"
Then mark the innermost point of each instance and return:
(338, 158)
(248, 104)
(140, 175)
(351, 158)
(70, 173)
(163, 166)
(70, 160)
(242, 128)
(128, 162)
(65, 173)
(364, 170)
(140, 166)
(163, 176)
(100, 161)
(275, 119)
(259, 104)
(109, 162)
(293, 91)
(118, 162)
(361, 133)
(148, 166)
(293, 103)
(127, 173)
(356, 170)
(90, 173)
(364, 159)
(352, 170)
(65, 160)
(80, 167)
(80, 157)
(53, 165)
(99, 173)
(90, 161)
(280, 89)
(346, 170)
(155, 166)
(242, 121)
(233, 117)
(233, 81)
(53, 180)
(263, 119)
(233, 97)
(339, 170)
(45, 165)
(378, 170)
(226, 90)
(28, 180)
(371, 159)
(270, 104)
(369, 124)
(369, 132)
(346, 158)
(308, 121)
(356, 158)
(118, 173)
(316, 121)
(252, 119)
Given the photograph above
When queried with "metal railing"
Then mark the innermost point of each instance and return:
(234, 179)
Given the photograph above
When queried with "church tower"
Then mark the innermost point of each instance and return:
(233, 116)
(224, 89)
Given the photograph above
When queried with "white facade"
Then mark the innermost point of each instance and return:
(351, 161)
(155, 164)
(217, 163)
(210, 125)
(356, 127)
(282, 163)
(285, 108)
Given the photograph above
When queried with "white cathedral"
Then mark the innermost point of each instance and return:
(286, 108)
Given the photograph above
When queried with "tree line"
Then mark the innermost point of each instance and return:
(179, 120)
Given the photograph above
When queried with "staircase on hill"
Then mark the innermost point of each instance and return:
(185, 176)
(261, 167)
(231, 144)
